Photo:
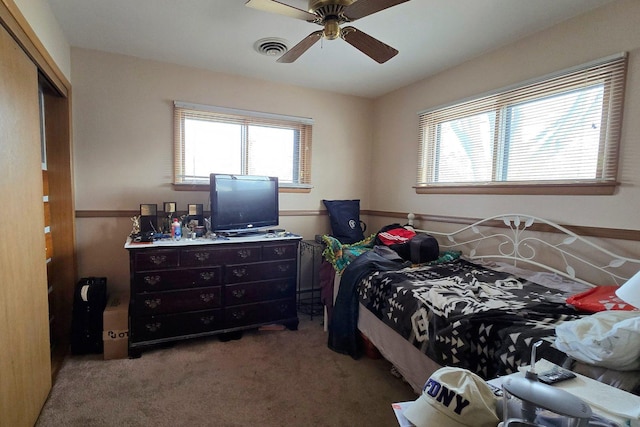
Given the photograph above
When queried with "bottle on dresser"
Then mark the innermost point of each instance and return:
(176, 229)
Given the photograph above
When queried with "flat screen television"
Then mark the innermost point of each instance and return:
(243, 203)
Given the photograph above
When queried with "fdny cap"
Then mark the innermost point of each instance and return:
(454, 397)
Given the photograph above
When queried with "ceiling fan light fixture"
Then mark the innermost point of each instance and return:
(271, 46)
(331, 29)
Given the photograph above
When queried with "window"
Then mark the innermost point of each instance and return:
(220, 140)
(558, 134)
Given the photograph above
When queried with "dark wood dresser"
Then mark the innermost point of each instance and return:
(194, 288)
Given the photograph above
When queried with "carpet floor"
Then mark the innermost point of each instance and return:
(266, 378)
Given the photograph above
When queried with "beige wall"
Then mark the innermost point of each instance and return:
(603, 32)
(123, 136)
(123, 145)
(41, 19)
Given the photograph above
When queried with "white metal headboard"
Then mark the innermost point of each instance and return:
(521, 241)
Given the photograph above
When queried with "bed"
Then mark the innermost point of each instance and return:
(500, 286)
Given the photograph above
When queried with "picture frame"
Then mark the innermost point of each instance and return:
(195, 209)
(148, 209)
(170, 207)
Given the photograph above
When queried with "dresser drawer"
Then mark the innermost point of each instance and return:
(176, 279)
(246, 293)
(241, 254)
(265, 312)
(156, 259)
(177, 301)
(260, 271)
(149, 328)
(279, 251)
(197, 257)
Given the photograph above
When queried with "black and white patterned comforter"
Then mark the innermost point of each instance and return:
(463, 314)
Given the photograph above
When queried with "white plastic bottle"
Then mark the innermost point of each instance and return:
(176, 229)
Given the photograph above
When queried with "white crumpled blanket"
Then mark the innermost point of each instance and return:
(610, 339)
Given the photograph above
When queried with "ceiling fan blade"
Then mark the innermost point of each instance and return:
(362, 8)
(274, 6)
(373, 48)
(295, 52)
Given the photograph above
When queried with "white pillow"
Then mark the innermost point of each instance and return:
(608, 338)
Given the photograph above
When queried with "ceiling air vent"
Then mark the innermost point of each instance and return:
(271, 46)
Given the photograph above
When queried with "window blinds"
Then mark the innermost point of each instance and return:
(187, 111)
(530, 133)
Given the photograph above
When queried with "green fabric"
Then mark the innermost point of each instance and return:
(445, 256)
(340, 255)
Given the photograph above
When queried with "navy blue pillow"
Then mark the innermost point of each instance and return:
(344, 217)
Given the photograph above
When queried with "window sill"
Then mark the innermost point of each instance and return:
(583, 189)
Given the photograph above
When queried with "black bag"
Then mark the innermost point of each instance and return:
(344, 217)
(423, 248)
(89, 302)
(402, 249)
(418, 248)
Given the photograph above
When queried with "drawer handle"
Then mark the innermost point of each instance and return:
(282, 287)
(280, 250)
(207, 297)
(244, 253)
(239, 314)
(207, 320)
(239, 272)
(283, 268)
(153, 327)
(201, 256)
(207, 275)
(238, 293)
(152, 303)
(158, 259)
(151, 280)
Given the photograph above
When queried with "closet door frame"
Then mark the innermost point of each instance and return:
(30, 362)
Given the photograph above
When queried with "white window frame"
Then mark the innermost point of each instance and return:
(609, 71)
(301, 126)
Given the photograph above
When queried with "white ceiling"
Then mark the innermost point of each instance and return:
(218, 35)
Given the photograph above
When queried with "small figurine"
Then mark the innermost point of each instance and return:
(192, 224)
(207, 225)
(136, 225)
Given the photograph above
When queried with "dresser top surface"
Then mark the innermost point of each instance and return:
(184, 242)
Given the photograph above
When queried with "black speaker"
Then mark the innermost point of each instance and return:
(148, 218)
(170, 209)
(89, 301)
(195, 212)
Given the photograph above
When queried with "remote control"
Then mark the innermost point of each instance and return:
(555, 376)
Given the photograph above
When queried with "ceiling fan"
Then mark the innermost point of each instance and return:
(330, 14)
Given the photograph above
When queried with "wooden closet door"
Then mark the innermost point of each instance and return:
(25, 365)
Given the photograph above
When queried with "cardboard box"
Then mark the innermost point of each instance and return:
(115, 333)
